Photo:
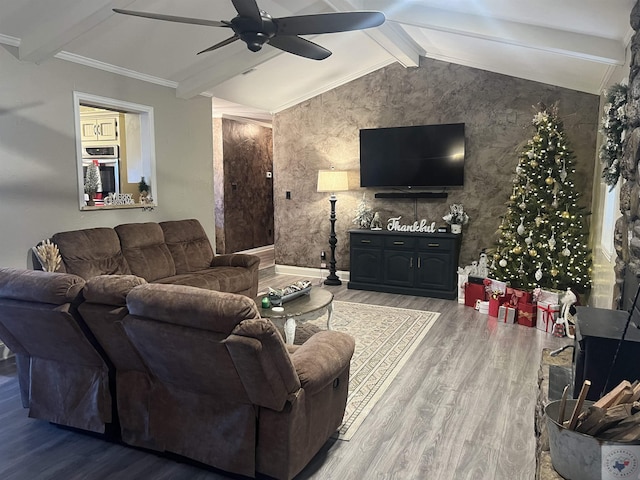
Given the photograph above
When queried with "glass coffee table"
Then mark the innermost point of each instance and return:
(306, 307)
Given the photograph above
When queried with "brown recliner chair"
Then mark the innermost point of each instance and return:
(226, 392)
(63, 374)
(103, 310)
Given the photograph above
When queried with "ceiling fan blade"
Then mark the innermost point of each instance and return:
(247, 8)
(328, 22)
(300, 46)
(171, 18)
(221, 44)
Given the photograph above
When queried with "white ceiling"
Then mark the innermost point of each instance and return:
(570, 43)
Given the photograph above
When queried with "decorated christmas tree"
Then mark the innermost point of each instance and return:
(542, 240)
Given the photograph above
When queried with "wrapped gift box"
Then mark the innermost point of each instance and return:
(546, 315)
(549, 296)
(472, 293)
(527, 314)
(523, 296)
(494, 305)
(507, 313)
(463, 278)
(482, 306)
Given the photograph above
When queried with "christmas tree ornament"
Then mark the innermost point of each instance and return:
(566, 252)
(538, 220)
(554, 272)
(552, 242)
(533, 163)
(538, 274)
(533, 252)
(563, 172)
(513, 198)
(565, 214)
(521, 269)
(502, 263)
(554, 204)
(520, 228)
(519, 170)
(523, 205)
(528, 240)
(517, 249)
(549, 180)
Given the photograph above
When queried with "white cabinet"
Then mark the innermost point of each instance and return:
(99, 128)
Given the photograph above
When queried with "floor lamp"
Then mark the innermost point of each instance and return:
(332, 181)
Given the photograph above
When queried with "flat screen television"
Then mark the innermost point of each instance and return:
(423, 156)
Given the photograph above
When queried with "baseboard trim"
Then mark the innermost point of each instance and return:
(254, 251)
(309, 272)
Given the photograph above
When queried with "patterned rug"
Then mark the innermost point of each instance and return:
(385, 339)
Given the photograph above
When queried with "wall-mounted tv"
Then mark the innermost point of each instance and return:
(423, 156)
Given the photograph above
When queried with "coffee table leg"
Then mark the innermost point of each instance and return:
(290, 330)
(329, 315)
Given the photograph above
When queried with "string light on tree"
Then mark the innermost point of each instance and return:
(542, 239)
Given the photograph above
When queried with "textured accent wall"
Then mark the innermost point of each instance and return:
(497, 112)
(244, 194)
(627, 230)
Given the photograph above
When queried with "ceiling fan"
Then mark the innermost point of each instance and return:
(256, 27)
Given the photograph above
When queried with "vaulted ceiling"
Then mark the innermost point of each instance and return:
(569, 43)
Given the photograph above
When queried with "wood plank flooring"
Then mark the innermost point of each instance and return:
(462, 408)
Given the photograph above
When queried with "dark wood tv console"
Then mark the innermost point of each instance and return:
(423, 264)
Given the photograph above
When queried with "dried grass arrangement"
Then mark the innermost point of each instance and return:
(49, 255)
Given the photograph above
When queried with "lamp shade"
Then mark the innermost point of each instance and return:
(332, 181)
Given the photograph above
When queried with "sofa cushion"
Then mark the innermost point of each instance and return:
(91, 252)
(111, 289)
(203, 279)
(188, 244)
(145, 251)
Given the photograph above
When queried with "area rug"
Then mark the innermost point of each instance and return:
(385, 339)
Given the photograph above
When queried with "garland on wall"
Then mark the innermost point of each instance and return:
(613, 126)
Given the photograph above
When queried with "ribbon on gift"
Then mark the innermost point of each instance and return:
(547, 316)
(507, 306)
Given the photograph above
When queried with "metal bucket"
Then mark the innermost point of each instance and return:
(577, 456)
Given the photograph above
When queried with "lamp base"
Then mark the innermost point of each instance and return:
(332, 280)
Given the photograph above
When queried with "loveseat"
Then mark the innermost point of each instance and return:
(179, 369)
(172, 252)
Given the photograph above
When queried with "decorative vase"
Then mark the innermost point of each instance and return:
(456, 228)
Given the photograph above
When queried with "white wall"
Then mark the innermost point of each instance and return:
(38, 184)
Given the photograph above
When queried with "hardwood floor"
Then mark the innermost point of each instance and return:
(463, 408)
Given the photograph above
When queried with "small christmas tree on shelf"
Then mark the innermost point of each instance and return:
(543, 236)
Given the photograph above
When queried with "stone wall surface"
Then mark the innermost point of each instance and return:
(496, 109)
(627, 231)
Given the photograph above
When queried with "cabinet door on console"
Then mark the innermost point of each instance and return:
(366, 265)
(398, 268)
(434, 271)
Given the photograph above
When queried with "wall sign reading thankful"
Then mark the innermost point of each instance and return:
(423, 226)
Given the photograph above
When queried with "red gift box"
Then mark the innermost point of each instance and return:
(472, 293)
(527, 314)
(522, 296)
(494, 305)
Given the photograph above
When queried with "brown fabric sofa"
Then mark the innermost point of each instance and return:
(225, 390)
(174, 252)
(63, 372)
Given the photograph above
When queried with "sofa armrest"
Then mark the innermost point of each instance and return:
(322, 358)
(40, 286)
(236, 260)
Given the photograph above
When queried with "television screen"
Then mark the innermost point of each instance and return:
(420, 156)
